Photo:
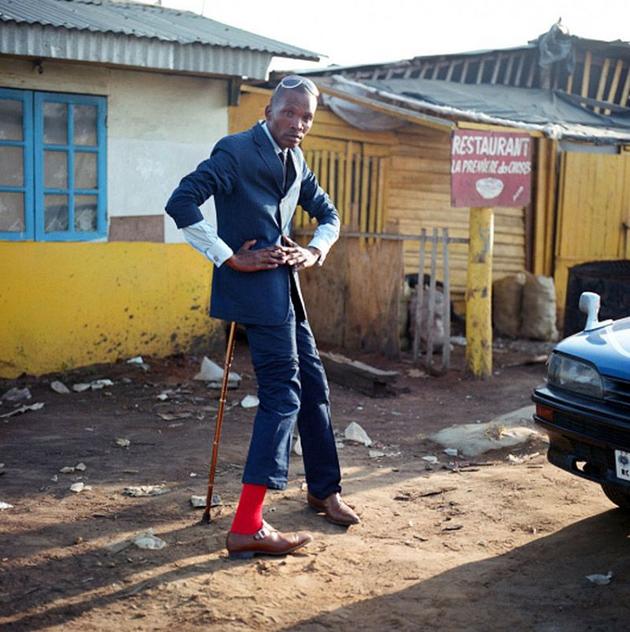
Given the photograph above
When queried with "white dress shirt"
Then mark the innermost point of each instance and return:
(203, 236)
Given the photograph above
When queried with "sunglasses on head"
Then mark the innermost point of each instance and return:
(293, 81)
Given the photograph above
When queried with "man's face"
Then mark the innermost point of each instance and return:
(290, 117)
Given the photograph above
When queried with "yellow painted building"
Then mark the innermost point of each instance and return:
(96, 129)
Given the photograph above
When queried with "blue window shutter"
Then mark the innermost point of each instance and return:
(70, 190)
(26, 99)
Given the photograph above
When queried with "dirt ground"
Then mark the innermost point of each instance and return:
(489, 545)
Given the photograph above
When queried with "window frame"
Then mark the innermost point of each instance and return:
(27, 188)
(34, 188)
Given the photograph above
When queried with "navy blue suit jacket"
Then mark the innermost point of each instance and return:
(245, 177)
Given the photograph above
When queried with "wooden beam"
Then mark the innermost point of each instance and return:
(532, 70)
(508, 70)
(586, 73)
(451, 67)
(480, 71)
(603, 78)
(496, 128)
(255, 89)
(614, 84)
(358, 375)
(540, 207)
(626, 90)
(519, 70)
(464, 71)
(497, 66)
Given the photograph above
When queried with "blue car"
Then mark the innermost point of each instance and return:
(585, 404)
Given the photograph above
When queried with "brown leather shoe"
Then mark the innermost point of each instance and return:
(334, 509)
(265, 542)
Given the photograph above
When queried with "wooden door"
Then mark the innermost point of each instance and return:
(593, 213)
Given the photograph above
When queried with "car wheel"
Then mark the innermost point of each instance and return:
(619, 495)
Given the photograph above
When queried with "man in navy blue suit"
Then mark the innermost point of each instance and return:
(257, 178)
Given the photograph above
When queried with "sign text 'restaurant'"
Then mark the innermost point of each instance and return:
(490, 168)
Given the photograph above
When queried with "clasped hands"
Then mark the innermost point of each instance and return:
(289, 254)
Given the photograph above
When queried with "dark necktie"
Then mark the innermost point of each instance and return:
(283, 160)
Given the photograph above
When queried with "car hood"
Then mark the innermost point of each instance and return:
(608, 348)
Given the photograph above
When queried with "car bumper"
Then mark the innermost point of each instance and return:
(583, 435)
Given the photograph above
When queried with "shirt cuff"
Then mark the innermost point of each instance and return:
(203, 237)
(322, 245)
(219, 253)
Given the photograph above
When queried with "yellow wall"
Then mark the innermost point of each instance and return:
(64, 305)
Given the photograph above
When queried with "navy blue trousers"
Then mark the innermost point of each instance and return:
(292, 387)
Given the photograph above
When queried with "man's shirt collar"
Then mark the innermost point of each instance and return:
(272, 140)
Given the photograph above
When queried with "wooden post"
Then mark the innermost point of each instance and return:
(432, 290)
(479, 292)
(419, 296)
(446, 313)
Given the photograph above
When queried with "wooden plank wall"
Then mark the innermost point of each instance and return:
(593, 208)
(353, 300)
(419, 197)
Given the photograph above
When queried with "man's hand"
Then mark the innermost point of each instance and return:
(299, 257)
(248, 260)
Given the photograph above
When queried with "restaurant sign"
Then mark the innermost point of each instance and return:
(490, 168)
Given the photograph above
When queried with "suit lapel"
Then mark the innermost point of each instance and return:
(269, 156)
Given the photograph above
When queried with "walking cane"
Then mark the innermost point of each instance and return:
(229, 355)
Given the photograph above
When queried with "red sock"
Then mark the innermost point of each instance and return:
(248, 516)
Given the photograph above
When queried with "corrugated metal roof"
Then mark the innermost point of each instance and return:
(142, 21)
(533, 109)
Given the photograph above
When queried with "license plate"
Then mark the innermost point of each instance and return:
(622, 463)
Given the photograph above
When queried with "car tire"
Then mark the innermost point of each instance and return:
(618, 495)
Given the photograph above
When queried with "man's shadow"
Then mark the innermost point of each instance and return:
(540, 586)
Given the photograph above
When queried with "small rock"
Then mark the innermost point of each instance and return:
(600, 580)
(16, 394)
(211, 372)
(80, 467)
(66, 470)
(138, 361)
(145, 490)
(354, 432)
(450, 451)
(4, 505)
(430, 459)
(199, 502)
(79, 487)
(149, 541)
(250, 401)
(97, 385)
(122, 443)
(376, 454)
(54, 478)
(59, 387)
(163, 397)
(81, 387)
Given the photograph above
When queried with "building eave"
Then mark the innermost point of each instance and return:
(46, 42)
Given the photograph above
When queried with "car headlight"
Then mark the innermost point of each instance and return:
(573, 375)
